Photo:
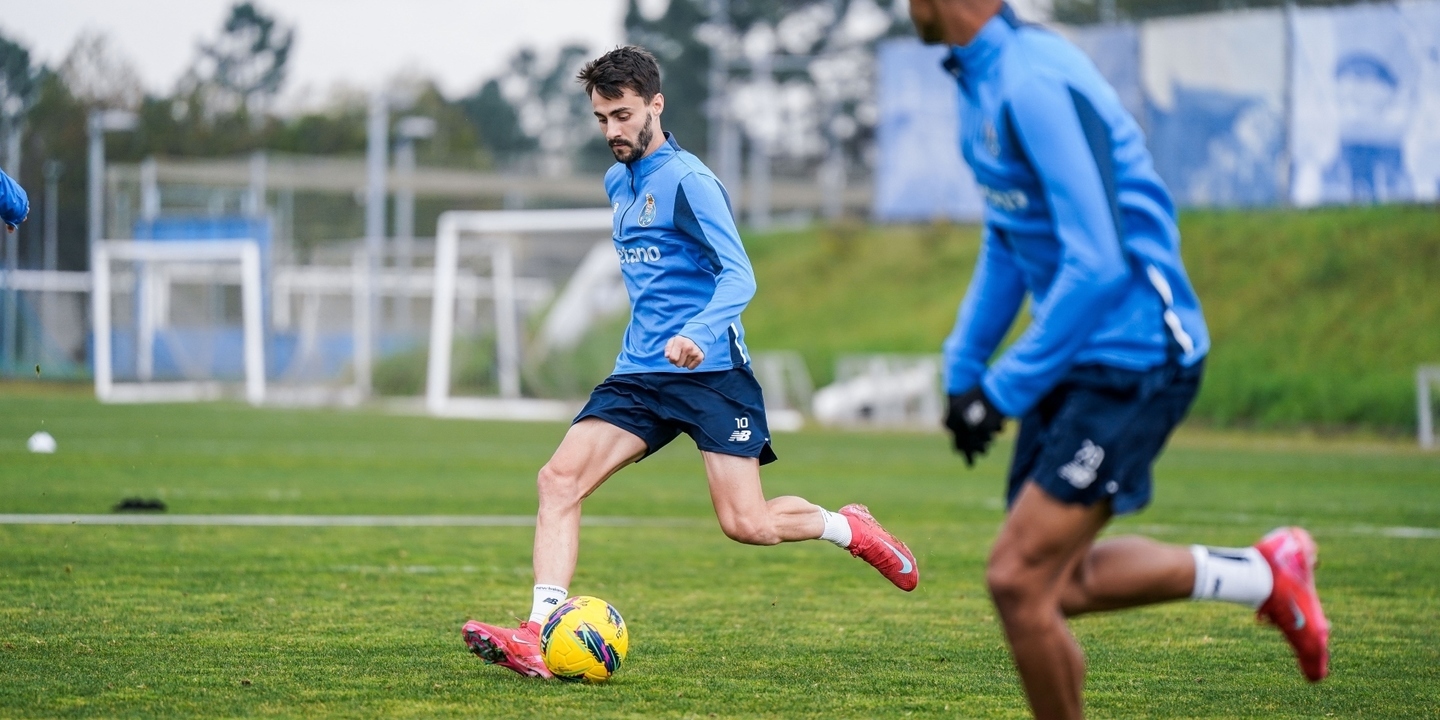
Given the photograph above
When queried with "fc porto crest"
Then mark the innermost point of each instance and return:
(647, 213)
(992, 139)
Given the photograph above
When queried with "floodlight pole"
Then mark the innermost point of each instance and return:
(378, 136)
(53, 169)
(408, 130)
(724, 140)
(762, 70)
(1108, 13)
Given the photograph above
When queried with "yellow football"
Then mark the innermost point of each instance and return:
(584, 640)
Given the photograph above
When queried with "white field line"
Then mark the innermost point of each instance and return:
(1407, 533)
(1400, 532)
(332, 520)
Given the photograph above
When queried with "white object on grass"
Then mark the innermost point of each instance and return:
(41, 442)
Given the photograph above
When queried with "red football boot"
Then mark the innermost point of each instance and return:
(871, 543)
(514, 648)
(1293, 605)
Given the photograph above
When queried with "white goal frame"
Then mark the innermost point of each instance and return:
(498, 228)
(1425, 377)
(246, 252)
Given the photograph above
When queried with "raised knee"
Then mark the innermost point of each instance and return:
(1012, 583)
(556, 485)
(1005, 584)
(750, 531)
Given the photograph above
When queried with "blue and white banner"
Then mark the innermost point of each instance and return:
(1366, 99)
(919, 173)
(1215, 86)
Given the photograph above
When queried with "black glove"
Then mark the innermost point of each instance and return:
(973, 420)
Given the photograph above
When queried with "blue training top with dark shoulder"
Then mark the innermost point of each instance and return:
(1075, 215)
(684, 266)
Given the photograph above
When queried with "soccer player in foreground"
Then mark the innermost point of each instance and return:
(683, 366)
(1077, 217)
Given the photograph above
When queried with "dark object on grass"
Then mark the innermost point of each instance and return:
(135, 504)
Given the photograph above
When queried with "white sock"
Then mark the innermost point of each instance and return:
(547, 598)
(1238, 575)
(837, 528)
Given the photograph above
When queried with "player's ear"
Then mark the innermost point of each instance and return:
(657, 103)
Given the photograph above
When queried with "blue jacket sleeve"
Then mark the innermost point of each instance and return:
(702, 211)
(990, 304)
(1092, 270)
(14, 205)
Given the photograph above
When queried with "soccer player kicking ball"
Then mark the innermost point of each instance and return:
(682, 367)
(1076, 216)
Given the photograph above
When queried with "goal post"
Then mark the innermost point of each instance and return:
(498, 230)
(151, 288)
(1426, 376)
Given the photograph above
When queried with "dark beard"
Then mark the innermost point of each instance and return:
(628, 153)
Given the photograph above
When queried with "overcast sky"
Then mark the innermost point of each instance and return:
(356, 42)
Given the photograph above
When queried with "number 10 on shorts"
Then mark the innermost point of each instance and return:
(742, 432)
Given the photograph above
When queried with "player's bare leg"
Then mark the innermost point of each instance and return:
(746, 516)
(1039, 545)
(591, 452)
(1125, 572)
(744, 513)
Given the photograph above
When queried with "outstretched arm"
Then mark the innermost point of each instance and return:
(994, 296)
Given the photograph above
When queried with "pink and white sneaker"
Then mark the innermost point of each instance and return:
(871, 543)
(515, 648)
(1293, 605)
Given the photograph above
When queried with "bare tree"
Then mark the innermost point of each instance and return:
(249, 59)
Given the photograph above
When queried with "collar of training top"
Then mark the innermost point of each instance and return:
(975, 58)
(662, 155)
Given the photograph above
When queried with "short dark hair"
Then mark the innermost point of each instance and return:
(624, 67)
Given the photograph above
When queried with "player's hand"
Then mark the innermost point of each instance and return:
(683, 352)
(973, 421)
(12, 228)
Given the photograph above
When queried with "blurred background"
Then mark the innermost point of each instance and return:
(1301, 139)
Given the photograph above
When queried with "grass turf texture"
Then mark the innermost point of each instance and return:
(212, 621)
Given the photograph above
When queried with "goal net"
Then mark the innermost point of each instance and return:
(177, 320)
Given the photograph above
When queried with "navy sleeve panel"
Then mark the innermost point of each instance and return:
(687, 222)
(996, 291)
(14, 204)
(1092, 273)
(707, 218)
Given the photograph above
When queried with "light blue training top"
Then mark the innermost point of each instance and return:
(684, 266)
(1075, 215)
(14, 205)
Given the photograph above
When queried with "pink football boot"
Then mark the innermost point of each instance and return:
(1293, 605)
(514, 648)
(871, 543)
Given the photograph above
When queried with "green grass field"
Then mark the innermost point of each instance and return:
(223, 621)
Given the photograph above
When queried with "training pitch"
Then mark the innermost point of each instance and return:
(362, 619)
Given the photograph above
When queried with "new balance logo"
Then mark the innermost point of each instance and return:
(1081, 471)
(740, 436)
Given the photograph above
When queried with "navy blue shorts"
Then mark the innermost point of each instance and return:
(723, 411)
(1097, 434)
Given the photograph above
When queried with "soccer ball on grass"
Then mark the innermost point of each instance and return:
(584, 639)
